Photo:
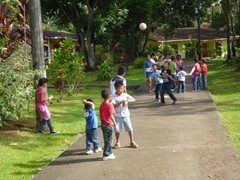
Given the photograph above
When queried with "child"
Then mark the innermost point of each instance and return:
(204, 74)
(148, 71)
(120, 77)
(181, 78)
(122, 115)
(195, 73)
(91, 127)
(156, 76)
(42, 106)
(108, 121)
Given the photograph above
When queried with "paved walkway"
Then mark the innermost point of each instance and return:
(182, 142)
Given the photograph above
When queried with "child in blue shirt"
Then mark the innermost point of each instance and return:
(156, 77)
(91, 127)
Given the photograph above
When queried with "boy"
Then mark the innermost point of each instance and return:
(120, 77)
(122, 115)
(195, 73)
(181, 78)
(204, 74)
(156, 76)
(91, 127)
(108, 121)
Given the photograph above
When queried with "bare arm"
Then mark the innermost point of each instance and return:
(89, 103)
(113, 120)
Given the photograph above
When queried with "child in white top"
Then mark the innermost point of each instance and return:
(181, 78)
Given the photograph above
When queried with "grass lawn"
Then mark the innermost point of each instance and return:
(224, 84)
(23, 152)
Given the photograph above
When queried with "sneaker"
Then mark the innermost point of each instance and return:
(162, 104)
(111, 157)
(98, 150)
(174, 102)
(53, 133)
(89, 152)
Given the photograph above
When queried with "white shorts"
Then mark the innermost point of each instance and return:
(126, 121)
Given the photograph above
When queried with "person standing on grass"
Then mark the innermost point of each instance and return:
(42, 106)
(148, 71)
(91, 127)
(166, 87)
(204, 75)
(108, 124)
(179, 62)
(120, 77)
(181, 78)
(195, 73)
(120, 102)
(156, 77)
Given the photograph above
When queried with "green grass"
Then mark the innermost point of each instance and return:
(224, 84)
(23, 152)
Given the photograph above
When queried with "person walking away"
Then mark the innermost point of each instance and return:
(108, 124)
(120, 102)
(167, 78)
(181, 78)
(173, 68)
(91, 127)
(204, 75)
(156, 77)
(179, 62)
(148, 72)
(119, 77)
(195, 72)
(42, 107)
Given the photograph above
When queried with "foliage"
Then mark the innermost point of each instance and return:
(139, 62)
(167, 50)
(16, 85)
(217, 20)
(105, 71)
(67, 66)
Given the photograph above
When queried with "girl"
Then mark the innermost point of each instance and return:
(42, 106)
(148, 71)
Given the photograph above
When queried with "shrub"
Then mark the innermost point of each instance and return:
(139, 62)
(67, 66)
(16, 85)
(167, 50)
(105, 71)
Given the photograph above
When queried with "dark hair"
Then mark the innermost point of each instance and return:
(105, 93)
(204, 61)
(181, 68)
(42, 81)
(86, 106)
(152, 54)
(195, 60)
(155, 64)
(118, 84)
(178, 56)
(172, 58)
(121, 70)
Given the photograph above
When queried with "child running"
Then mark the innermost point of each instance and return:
(108, 122)
(181, 78)
(91, 127)
(156, 76)
(122, 115)
(42, 107)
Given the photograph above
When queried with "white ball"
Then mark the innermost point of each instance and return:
(142, 26)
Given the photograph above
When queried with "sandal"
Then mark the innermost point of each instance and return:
(116, 146)
(134, 145)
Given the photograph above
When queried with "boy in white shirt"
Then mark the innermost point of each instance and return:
(120, 102)
(181, 78)
(120, 77)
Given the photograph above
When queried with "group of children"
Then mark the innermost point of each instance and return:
(165, 75)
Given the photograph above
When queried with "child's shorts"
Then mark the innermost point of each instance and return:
(126, 121)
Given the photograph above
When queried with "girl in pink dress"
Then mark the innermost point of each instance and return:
(179, 62)
(42, 107)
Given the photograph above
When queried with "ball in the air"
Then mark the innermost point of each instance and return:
(142, 26)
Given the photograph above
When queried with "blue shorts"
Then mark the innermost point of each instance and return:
(149, 74)
(126, 121)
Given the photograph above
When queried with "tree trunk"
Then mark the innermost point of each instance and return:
(233, 35)
(37, 40)
(199, 48)
(145, 42)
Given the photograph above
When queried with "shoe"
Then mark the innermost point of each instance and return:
(89, 152)
(174, 102)
(134, 145)
(111, 157)
(116, 146)
(53, 133)
(98, 150)
(162, 104)
(39, 131)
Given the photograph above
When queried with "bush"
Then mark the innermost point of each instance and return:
(167, 50)
(139, 62)
(16, 86)
(105, 71)
(67, 66)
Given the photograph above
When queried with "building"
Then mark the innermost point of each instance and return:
(213, 42)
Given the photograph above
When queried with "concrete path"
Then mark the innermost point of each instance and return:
(182, 142)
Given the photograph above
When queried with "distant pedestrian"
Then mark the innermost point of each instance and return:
(42, 106)
(181, 78)
(204, 75)
(173, 68)
(179, 62)
(91, 127)
(108, 124)
(195, 73)
(148, 71)
(156, 77)
(119, 77)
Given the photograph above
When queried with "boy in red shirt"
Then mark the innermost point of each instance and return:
(204, 74)
(108, 122)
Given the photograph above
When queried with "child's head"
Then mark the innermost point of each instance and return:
(181, 68)
(86, 106)
(106, 95)
(155, 67)
(195, 60)
(204, 61)
(178, 57)
(42, 82)
(121, 71)
(119, 87)
(172, 58)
